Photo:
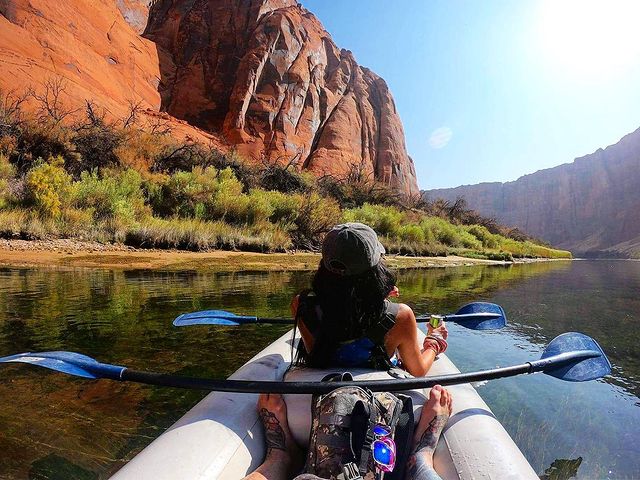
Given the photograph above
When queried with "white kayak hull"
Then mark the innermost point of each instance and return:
(221, 437)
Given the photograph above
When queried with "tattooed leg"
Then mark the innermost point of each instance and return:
(274, 435)
(431, 435)
(283, 456)
(435, 415)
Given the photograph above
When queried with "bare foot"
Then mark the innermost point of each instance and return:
(283, 455)
(434, 417)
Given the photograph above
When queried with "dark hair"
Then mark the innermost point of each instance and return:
(350, 305)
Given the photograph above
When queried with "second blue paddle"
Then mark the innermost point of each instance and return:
(475, 316)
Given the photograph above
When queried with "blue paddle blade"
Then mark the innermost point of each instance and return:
(480, 316)
(67, 362)
(580, 371)
(212, 317)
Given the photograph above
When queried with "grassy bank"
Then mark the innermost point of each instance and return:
(92, 180)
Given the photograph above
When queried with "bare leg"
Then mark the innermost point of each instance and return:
(283, 455)
(435, 415)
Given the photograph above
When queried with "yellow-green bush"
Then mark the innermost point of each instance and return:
(316, 216)
(7, 172)
(283, 208)
(48, 187)
(449, 234)
(203, 193)
(113, 195)
(411, 233)
(488, 239)
(385, 220)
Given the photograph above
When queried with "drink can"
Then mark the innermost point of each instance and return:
(436, 320)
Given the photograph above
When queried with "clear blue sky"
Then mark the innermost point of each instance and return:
(492, 90)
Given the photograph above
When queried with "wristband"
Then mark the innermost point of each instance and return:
(432, 346)
(441, 343)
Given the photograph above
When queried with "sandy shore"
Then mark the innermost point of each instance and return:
(71, 253)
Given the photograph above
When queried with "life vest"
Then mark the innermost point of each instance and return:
(368, 350)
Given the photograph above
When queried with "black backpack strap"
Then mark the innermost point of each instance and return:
(403, 438)
(307, 304)
(377, 332)
(365, 453)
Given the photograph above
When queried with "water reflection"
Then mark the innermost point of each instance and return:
(55, 426)
(550, 419)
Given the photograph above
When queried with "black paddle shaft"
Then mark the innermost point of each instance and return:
(249, 386)
(290, 321)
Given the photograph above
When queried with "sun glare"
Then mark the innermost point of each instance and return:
(597, 38)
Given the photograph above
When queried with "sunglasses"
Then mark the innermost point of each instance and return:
(383, 448)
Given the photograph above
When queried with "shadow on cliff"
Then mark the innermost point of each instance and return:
(200, 45)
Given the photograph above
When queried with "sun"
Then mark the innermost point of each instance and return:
(597, 38)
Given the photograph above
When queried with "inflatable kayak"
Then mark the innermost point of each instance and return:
(221, 437)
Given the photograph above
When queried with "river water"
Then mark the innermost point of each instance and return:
(53, 426)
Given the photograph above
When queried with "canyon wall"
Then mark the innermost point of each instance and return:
(590, 206)
(260, 76)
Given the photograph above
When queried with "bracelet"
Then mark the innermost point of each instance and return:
(432, 346)
(441, 343)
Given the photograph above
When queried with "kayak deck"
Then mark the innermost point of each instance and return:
(221, 437)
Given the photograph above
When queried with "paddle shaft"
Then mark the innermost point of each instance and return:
(249, 386)
(452, 317)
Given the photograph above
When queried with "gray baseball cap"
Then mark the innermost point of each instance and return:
(351, 249)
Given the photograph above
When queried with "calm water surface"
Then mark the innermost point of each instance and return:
(59, 427)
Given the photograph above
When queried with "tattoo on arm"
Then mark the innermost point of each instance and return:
(274, 434)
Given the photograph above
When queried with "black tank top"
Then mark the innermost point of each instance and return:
(368, 350)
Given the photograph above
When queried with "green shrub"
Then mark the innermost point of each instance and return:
(488, 239)
(48, 187)
(114, 195)
(385, 220)
(411, 233)
(448, 234)
(7, 173)
(7, 170)
(219, 192)
(252, 209)
(316, 217)
(286, 208)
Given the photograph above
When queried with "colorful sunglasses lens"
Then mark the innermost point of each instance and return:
(381, 431)
(384, 454)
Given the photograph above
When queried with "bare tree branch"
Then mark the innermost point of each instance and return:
(50, 104)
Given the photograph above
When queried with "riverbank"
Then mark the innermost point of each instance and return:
(72, 253)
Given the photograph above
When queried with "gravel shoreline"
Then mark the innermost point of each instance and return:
(75, 253)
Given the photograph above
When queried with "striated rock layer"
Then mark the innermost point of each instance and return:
(262, 74)
(590, 206)
(267, 75)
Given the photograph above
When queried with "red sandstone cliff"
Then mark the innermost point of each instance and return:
(590, 206)
(263, 75)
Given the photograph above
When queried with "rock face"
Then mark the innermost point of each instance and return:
(590, 206)
(88, 43)
(263, 75)
(269, 78)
